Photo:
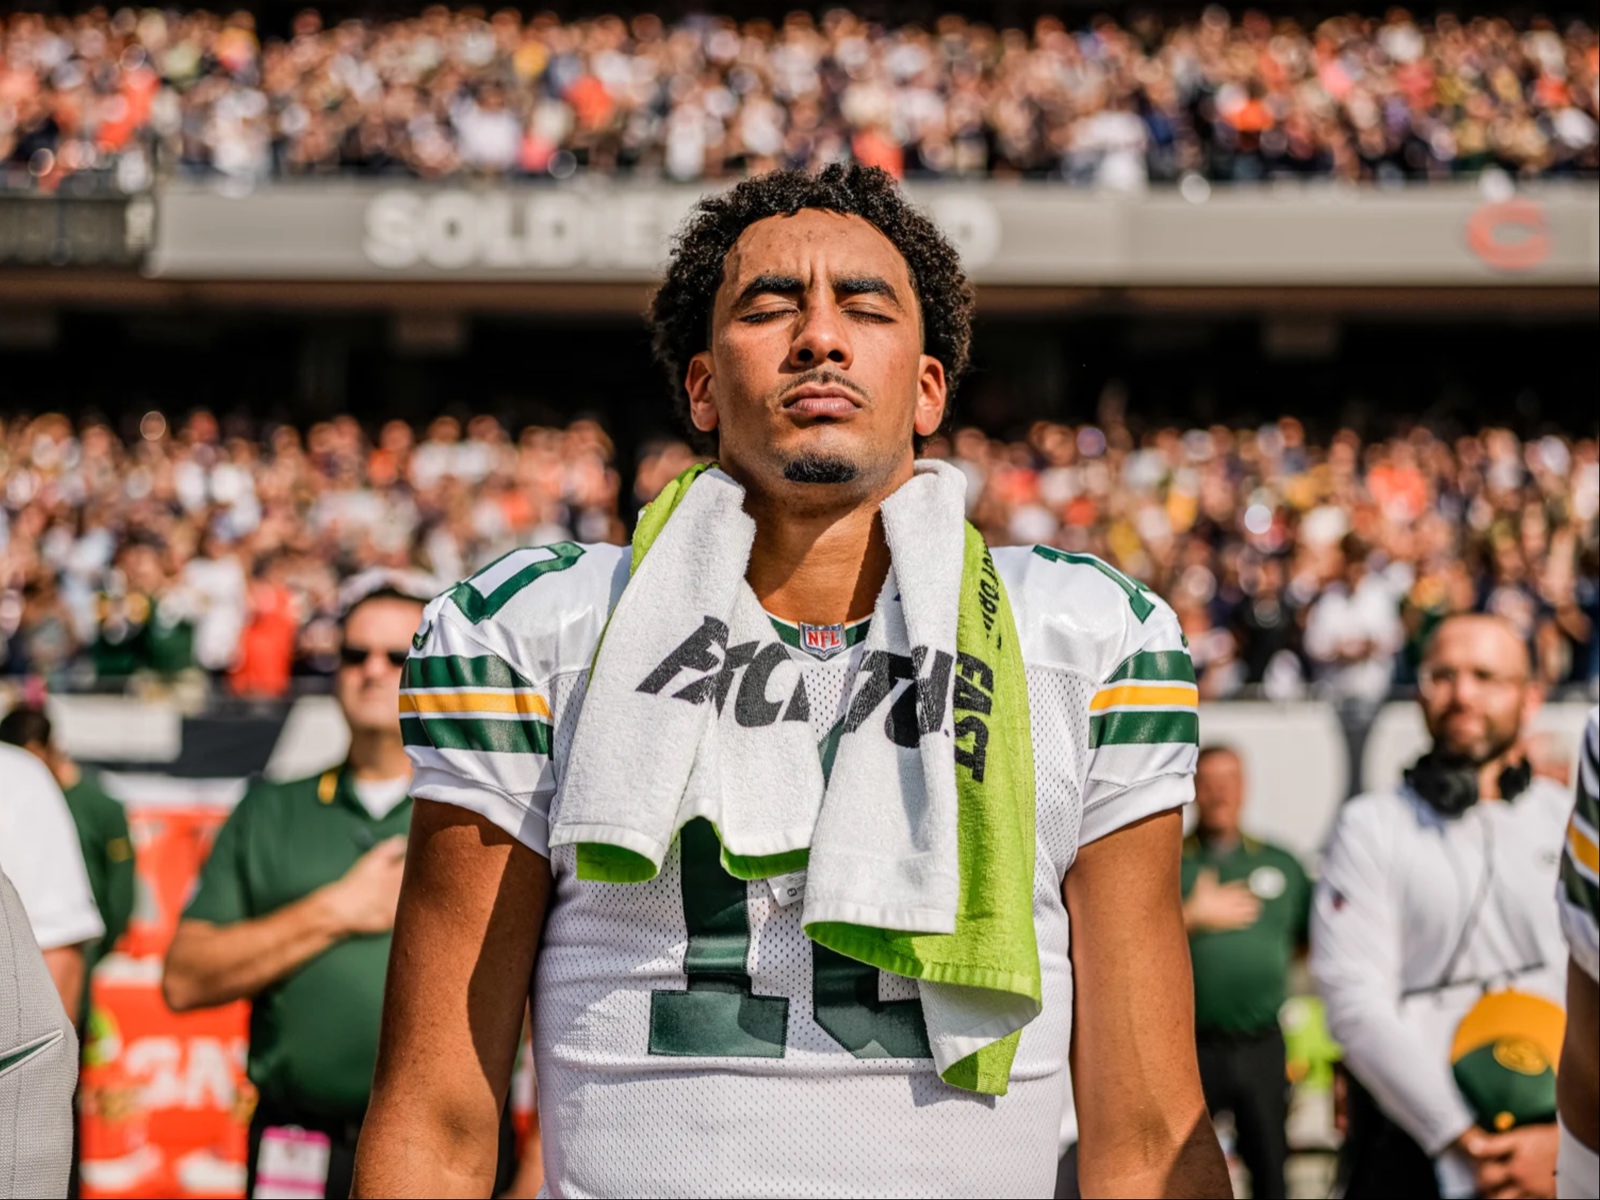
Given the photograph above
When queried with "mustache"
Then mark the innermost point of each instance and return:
(825, 377)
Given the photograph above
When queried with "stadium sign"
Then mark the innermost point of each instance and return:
(1039, 235)
(74, 231)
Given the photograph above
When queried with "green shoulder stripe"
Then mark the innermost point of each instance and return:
(480, 734)
(1588, 801)
(1156, 664)
(1582, 893)
(456, 671)
(1136, 728)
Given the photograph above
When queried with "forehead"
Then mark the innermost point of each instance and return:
(1218, 760)
(1479, 642)
(811, 242)
(386, 616)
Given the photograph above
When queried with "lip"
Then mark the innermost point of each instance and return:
(820, 400)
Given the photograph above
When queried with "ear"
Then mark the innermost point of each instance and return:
(1532, 702)
(931, 397)
(697, 383)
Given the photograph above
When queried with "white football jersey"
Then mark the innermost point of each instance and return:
(1579, 893)
(690, 1040)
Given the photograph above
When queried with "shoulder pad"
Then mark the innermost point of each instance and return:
(540, 610)
(1078, 612)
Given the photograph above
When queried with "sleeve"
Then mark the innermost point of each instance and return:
(119, 872)
(49, 875)
(1144, 730)
(1355, 961)
(478, 732)
(1301, 883)
(1578, 893)
(222, 893)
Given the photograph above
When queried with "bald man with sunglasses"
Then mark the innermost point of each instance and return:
(295, 907)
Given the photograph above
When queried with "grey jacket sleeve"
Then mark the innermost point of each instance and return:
(38, 1063)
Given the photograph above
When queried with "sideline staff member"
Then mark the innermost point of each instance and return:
(102, 835)
(1432, 896)
(295, 907)
(1245, 905)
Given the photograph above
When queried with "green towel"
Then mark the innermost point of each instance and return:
(993, 947)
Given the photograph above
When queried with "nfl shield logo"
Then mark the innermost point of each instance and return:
(821, 641)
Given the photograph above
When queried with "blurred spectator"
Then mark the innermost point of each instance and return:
(1246, 906)
(39, 853)
(1353, 630)
(103, 836)
(185, 553)
(1434, 902)
(1278, 554)
(127, 94)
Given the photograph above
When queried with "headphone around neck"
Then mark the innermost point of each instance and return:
(1450, 784)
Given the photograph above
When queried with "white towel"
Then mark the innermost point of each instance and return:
(679, 722)
(884, 851)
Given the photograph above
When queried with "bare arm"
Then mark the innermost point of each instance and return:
(1578, 1081)
(66, 972)
(471, 912)
(210, 964)
(1143, 1125)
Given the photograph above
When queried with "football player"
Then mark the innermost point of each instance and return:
(813, 328)
(1578, 1081)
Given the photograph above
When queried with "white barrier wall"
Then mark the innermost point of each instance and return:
(1297, 769)
(1296, 756)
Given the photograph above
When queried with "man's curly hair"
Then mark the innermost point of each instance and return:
(680, 312)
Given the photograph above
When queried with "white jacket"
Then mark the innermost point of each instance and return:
(1394, 906)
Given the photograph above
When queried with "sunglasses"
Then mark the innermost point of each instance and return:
(357, 656)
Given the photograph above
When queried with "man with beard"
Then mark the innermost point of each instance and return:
(1436, 947)
(707, 830)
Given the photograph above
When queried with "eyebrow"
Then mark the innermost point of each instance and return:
(792, 285)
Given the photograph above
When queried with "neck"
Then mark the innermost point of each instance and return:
(67, 774)
(1219, 839)
(824, 562)
(1489, 775)
(378, 754)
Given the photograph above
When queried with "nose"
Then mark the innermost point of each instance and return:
(378, 665)
(821, 337)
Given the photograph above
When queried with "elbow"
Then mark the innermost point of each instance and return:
(178, 992)
(181, 988)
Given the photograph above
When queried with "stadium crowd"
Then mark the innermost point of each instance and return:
(134, 93)
(200, 560)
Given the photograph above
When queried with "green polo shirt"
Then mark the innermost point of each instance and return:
(1241, 975)
(108, 856)
(313, 1033)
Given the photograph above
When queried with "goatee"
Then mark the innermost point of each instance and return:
(817, 468)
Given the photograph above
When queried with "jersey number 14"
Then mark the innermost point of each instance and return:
(719, 1015)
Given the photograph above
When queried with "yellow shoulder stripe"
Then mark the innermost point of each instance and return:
(1583, 849)
(1170, 696)
(485, 702)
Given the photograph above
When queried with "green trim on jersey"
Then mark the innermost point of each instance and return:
(1143, 728)
(454, 671)
(1151, 665)
(476, 606)
(482, 734)
(789, 633)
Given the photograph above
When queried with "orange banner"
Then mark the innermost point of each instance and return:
(163, 1100)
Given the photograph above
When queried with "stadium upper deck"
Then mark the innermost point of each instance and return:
(121, 99)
